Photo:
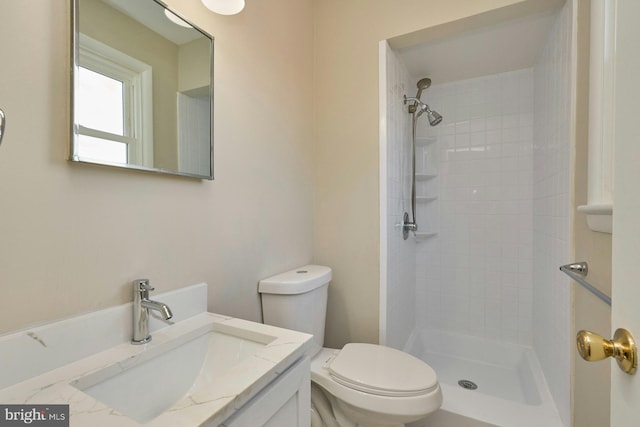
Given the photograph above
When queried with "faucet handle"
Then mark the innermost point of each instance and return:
(142, 285)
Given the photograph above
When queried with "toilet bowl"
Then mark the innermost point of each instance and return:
(361, 384)
(373, 385)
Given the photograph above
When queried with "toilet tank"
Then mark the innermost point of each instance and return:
(297, 300)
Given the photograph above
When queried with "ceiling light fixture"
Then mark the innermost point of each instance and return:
(224, 7)
(176, 19)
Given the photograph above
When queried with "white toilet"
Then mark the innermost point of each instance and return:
(364, 385)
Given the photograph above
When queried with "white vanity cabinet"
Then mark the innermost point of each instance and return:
(286, 402)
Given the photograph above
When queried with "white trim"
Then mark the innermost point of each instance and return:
(137, 77)
(599, 217)
(94, 133)
(383, 47)
(601, 116)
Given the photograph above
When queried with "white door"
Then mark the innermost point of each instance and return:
(625, 389)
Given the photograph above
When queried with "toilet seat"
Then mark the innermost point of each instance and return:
(375, 397)
(382, 370)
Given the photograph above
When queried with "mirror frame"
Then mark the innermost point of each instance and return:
(75, 56)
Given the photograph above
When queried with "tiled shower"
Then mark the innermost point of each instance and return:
(494, 208)
(475, 275)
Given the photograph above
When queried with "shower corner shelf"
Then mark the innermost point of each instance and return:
(423, 235)
(425, 140)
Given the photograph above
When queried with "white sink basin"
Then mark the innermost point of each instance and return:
(146, 385)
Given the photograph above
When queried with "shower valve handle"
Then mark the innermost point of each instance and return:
(593, 347)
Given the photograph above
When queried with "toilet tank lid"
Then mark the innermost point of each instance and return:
(297, 281)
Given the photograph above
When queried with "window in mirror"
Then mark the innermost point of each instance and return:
(114, 91)
(103, 98)
(106, 117)
(103, 150)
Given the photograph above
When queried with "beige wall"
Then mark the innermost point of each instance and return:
(592, 381)
(74, 236)
(193, 65)
(346, 129)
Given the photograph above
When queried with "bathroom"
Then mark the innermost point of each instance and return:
(299, 185)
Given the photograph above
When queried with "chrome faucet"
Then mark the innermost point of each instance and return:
(141, 306)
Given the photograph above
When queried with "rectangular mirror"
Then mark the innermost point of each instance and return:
(142, 88)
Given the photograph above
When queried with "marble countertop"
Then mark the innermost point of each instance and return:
(209, 401)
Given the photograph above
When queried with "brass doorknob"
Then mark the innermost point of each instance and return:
(593, 347)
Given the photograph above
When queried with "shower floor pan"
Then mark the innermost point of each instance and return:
(511, 389)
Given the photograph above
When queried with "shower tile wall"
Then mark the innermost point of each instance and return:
(552, 212)
(401, 259)
(475, 276)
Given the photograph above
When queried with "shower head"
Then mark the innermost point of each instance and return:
(422, 85)
(418, 107)
(433, 116)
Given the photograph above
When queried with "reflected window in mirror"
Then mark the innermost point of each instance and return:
(114, 92)
(97, 90)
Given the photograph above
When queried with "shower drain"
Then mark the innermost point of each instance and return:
(466, 384)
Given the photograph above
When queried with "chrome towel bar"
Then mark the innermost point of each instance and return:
(578, 271)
